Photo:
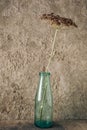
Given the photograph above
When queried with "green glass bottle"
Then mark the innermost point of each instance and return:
(44, 102)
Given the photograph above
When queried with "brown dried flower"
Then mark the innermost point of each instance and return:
(57, 20)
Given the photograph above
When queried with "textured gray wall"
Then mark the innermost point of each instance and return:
(25, 46)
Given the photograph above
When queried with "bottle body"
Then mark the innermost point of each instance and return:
(44, 102)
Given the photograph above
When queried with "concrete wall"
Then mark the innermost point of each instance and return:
(25, 46)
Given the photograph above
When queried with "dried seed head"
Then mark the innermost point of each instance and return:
(57, 20)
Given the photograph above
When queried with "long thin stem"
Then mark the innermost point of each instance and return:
(51, 55)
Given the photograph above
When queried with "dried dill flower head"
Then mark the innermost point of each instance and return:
(57, 20)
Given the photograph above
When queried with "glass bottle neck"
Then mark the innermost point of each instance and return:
(44, 78)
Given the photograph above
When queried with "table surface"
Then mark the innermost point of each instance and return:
(61, 125)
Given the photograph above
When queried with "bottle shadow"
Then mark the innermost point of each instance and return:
(29, 126)
(55, 126)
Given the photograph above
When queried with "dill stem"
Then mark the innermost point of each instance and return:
(51, 55)
(49, 61)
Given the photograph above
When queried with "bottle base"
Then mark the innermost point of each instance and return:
(43, 124)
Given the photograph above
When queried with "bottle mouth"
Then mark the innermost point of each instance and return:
(44, 73)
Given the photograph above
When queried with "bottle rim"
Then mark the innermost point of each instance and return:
(44, 73)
